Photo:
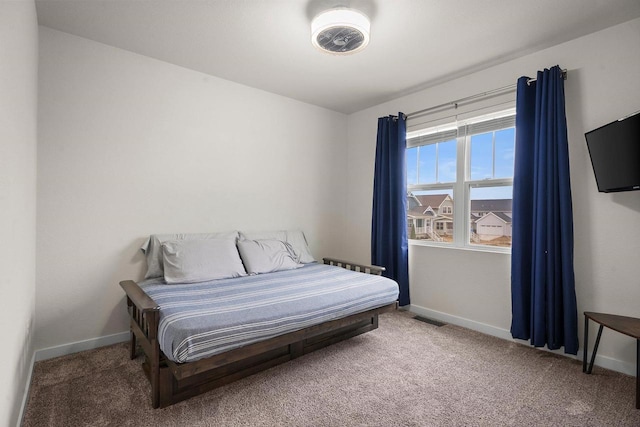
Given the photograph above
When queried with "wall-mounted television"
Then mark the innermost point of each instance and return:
(615, 154)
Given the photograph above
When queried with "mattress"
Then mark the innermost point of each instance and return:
(199, 320)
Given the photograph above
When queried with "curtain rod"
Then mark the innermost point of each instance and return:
(455, 103)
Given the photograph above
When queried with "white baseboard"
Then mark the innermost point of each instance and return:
(461, 321)
(27, 387)
(74, 347)
(602, 361)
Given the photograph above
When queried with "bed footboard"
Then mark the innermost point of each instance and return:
(144, 315)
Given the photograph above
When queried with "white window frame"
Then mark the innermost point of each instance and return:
(462, 185)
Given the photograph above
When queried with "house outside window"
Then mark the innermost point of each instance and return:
(460, 182)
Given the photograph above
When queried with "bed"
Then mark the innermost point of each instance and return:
(202, 335)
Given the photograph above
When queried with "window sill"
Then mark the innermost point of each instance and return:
(492, 249)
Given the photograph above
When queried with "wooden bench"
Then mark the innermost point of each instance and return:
(625, 325)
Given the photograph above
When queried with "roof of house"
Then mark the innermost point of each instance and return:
(491, 205)
(412, 202)
(501, 215)
(421, 212)
(433, 200)
(506, 218)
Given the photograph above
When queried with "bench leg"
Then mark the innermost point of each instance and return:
(637, 374)
(595, 350)
(585, 344)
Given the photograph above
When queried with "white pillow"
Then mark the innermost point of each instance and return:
(267, 256)
(190, 261)
(294, 237)
(152, 248)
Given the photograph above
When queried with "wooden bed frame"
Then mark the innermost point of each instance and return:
(172, 382)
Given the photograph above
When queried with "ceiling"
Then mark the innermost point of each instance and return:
(266, 44)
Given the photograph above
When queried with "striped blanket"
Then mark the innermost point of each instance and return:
(202, 319)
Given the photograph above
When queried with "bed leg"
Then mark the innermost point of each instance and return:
(155, 380)
(133, 313)
(296, 349)
(154, 358)
(132, 345)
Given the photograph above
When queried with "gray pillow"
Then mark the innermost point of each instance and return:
(267, 256)
(294, 237)
(152, 248)
(191, 261)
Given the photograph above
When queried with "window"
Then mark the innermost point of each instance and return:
(462, 176)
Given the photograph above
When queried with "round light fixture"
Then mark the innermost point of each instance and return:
(340, 31)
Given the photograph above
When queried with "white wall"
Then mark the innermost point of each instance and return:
(130, 146)
(473, 288)
(18, 126)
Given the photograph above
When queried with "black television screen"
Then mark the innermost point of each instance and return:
(615, 154)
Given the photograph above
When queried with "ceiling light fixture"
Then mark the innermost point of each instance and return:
(340, 31)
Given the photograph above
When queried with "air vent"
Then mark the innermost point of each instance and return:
(429, 321)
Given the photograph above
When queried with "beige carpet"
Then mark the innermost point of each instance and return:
(406, 373)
